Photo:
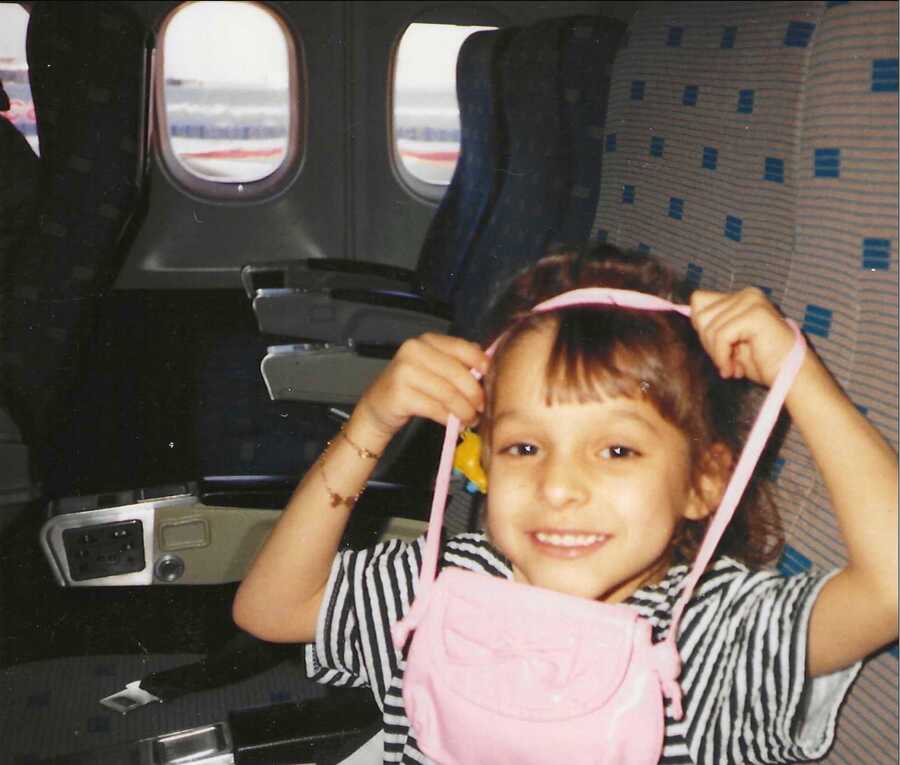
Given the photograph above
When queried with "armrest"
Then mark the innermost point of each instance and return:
(348, 316)
(388, 298)
(322, 273)
(323, 730)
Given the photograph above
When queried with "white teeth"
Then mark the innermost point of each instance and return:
(568, 540)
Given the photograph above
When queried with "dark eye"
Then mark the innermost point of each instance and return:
(617, 452)
(522, 450)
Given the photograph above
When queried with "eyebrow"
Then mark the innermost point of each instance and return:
(618, 412)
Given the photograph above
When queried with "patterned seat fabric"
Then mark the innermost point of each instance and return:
(546, 92)
(589, 49)
(90, 114)
(756, 144)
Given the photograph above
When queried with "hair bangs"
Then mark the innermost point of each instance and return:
(601, 353)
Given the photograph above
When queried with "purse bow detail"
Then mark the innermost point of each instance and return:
(667, 664)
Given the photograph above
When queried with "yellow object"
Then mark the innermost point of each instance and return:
(467, 459)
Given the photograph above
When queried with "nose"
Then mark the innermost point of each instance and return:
(563, 483)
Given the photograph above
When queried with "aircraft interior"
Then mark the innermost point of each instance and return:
(219, 220)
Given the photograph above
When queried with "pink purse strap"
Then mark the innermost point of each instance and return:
(756, 441)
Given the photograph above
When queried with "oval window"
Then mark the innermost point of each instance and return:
(230, 117)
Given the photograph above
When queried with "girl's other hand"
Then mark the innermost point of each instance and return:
(743, 333)
(429, 376)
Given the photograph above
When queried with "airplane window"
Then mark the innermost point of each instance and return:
(227, 70)
(14, 72)
(426, 114)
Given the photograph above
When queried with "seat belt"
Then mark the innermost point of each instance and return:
(241, 657)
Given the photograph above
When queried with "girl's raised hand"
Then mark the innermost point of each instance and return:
(428, 377)
(743, 333)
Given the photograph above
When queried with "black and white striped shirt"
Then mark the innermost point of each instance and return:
(742, 642)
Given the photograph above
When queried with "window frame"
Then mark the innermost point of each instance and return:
(430, 193)
(235, 191)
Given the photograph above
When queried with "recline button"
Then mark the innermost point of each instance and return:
(169, 568)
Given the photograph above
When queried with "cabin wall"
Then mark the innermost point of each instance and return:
(346, 199)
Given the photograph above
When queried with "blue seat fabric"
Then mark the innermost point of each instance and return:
(554, 77)
(90, 110)
(476, 180)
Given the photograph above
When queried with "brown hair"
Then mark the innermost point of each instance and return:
(611, 351)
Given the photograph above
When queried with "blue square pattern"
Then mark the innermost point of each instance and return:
(776, 469)
(694, 275)
(885, 75)
(817, 320)
(627, 195)
(691, 93)
(602, 235)
(793, 562)
(729, 35)
(894, 651)
(673, 39)
(643, 248)
(863, 410)
(767, 291)
(657, 145)
(637, 90)
(827, 163)
(710, 158)
(745, 102)
(610, 143)
(676, 208)
(876, 254)
(798, 34)
(774, 170)
(734, 228)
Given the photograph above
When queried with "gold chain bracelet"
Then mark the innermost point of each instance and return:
(360, 450)
(338, 499)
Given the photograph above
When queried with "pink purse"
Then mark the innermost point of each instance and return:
(503, 673)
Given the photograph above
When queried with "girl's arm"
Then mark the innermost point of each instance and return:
(856, 612)
(280, 596)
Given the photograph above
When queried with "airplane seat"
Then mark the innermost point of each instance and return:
(89, 189)
(479, 171)
(755, 144)
(556, 76)
(532, 105)
(587, 58)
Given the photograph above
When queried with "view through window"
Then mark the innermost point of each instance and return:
(227, 90)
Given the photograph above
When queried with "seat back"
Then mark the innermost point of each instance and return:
(756, 144)
(589, 48)
(92, 145)
(479, 170)
(553, 103)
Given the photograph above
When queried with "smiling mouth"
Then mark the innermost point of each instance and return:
(568, 544)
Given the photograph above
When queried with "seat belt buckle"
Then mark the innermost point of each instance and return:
(132, 697)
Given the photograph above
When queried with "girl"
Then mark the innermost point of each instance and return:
(609, 435)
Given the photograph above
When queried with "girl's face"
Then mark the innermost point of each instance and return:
(583, 498)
